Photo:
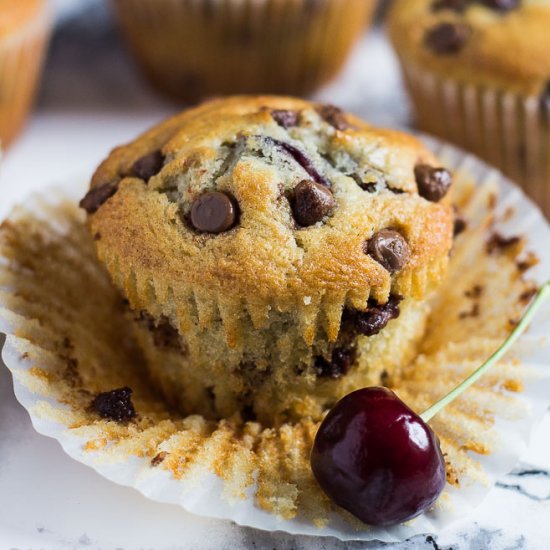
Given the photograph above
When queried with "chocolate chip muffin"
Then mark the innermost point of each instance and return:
(275, 253)
(205, 48)
(479, 75)
(24, 32)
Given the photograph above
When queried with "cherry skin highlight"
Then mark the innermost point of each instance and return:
(376, 458)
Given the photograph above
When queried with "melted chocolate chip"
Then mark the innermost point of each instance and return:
(285, 118)
(334, 116)
(311, 202)
(502, 5)
(148, 166)
(447, 38)
(300, 157)
(433, 183)
(340, 362)
(97, 196)
(213, 212)
(389, 248)
(458, 6)
(115, 405)
(375, 318)
(159, 458)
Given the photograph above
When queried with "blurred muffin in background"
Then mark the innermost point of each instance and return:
(479, 75)
(193, 49)
(24, 32)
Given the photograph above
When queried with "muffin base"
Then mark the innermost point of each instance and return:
(277, 393)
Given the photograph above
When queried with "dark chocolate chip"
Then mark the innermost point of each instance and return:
(301, 158)
(376, 317)
(389, 248)
(213, 212)
(433, 183)
(115, 405)
(458, 6)
(311, 202)
(285, 118)
(447, 38)
(340, 362)
(502, 5)
(97, 196)
(148, 166)
(334, 116)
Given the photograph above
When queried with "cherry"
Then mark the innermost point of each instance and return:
(378, 459)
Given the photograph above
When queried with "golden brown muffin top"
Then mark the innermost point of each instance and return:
(14, 14)
(501, 44)
(310, 188)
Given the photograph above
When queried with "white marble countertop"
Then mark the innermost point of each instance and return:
(91, 100)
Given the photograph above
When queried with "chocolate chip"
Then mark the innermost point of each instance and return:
(285, 118)
(148, 166)
(301, 158)
(433, 183)
(311, 202)
(376, 317)
(213, 212)
(458, 6)
(502, 5)
(447, 38)
(97, 196)
(340, 362)
(334, 116)
(115, 405)
(389, 248)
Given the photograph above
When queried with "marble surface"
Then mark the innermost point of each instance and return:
(91, 100)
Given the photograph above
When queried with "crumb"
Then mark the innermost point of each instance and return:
(528, 262)
(474, 292)
(497, 243)
(474, 312)
(159, 458)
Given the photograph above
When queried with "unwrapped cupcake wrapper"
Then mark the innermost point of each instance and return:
(197, 49)
(21, 60)
(62, 352)
(508, 130)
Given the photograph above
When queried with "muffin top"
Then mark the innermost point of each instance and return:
(271, 201)
(14, 14)
(501, 44)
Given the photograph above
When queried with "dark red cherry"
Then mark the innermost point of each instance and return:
(378, 459)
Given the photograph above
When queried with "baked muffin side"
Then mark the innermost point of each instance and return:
(266, 230)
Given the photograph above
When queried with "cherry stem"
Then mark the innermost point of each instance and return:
(542, 295)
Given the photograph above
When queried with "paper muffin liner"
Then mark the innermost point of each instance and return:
(68, 339)
(508, 130)
(198, 49)
(21, 59)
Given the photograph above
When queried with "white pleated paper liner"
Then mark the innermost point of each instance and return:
(202, 491)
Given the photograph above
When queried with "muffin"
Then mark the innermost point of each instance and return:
(24, 29)
(193, 50)
(478, 73)
(274, 253)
